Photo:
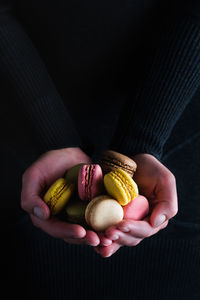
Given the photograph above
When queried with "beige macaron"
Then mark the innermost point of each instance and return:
(103, 212)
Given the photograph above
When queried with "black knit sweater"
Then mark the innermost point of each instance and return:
(60, 60)
(53, 53)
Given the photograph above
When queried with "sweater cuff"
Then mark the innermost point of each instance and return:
(172, 81)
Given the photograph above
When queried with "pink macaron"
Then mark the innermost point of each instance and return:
(90, 181)
(137, 209)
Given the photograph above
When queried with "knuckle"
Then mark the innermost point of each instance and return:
(174, 211)
(31, 174)
(173, 179)
(27, 175)
(23, 203)
(169, 178)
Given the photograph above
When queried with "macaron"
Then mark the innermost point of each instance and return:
(121, 186)
(90, 181)
(103, 212)
(136, 209)
(58, 195)
(75, 211)
(112, 160)
(72, 174)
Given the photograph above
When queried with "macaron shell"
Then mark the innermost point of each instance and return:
(115, 188)
(129, 182)
(112, 160)
(75, 211)
(90, 181)
(96, 182)
(62, 201)
(91, 204)
(137, 209)
(120, 186)
(81, 182)
(72, 174)
(58, 195)
(104, 213)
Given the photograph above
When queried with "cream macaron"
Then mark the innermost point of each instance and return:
(103, 212)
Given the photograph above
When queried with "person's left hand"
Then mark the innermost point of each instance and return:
(39, 176)
(158, 185)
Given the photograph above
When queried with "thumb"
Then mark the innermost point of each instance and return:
(37, 207)
(31, 201)
(165, 205)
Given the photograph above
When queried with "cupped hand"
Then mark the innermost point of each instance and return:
(39, 176)
(158, 185)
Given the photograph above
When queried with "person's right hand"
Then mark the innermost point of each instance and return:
(40, 175)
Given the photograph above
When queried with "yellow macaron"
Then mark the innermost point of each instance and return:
(120, 185)
(58, 195)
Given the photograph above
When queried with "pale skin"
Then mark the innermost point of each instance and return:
(154, 180)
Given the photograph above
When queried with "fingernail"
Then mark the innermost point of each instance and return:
(115, 237)
(160, 220)
(38, 212)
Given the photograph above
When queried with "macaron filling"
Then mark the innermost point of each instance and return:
(120, 185)
(123, 183)
(89, 171)
(115, 163)
(56, 194)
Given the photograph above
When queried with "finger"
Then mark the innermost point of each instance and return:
(91, 238)
(31, 202)
(110, 250)
(134, 237)
(55, 163)
(124, 239)
(166, 204)
(41, 174)
(107, 251)
(140, 229)
(104, 241)
(59, 229)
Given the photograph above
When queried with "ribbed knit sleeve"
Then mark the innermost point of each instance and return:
(170, 84)
(36, 95)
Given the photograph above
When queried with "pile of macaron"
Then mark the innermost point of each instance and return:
(95, 195)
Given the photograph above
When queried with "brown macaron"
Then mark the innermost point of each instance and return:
(112, 160)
